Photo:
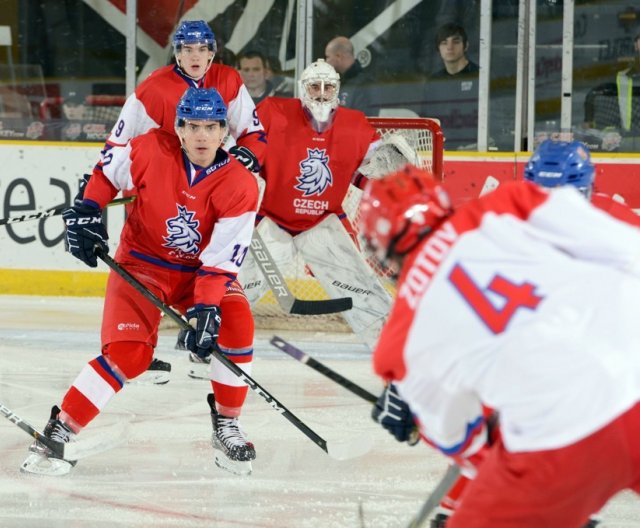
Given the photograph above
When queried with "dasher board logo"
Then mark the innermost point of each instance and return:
(182, 232)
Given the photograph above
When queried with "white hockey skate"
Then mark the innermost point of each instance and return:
(199, 366)
(41, 460)
(232, 451)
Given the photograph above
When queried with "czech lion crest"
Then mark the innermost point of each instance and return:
(182, 231)
(315, 175)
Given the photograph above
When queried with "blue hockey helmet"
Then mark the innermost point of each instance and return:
(556, 163)
(201, 104)
(194, 32)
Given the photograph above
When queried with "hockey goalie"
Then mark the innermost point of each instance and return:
(317, 151)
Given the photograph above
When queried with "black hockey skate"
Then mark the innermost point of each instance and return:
(439, 521)
(41, 460)
(231, 448)
(158, 373)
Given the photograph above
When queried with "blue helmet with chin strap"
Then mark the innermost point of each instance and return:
(556, 163)
(194, 32)
(201, 104)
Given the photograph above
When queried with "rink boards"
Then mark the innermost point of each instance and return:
(36, 176)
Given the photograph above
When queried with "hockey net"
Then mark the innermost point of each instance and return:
(424, 135)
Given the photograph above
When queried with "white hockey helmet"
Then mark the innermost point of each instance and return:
(319, 88)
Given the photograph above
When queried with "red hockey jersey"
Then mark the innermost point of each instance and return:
(308, 173)
(184, 217)
(153, 105)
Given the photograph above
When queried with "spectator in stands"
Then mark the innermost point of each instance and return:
(74, 114)
(284, 85)
(73, 106)
(253, 70)
(452, 44)
(451, 93)
(354, 91)
(612, 109)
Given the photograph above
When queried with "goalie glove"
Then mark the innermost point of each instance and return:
(85, 231)
(246, 157)
(393, 153)
(392, 413)
(203, 339)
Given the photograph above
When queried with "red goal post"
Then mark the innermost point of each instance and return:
(424, 134)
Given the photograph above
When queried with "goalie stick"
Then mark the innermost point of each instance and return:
(72, 450)
(55, 212)
(339, 451)
(281, 291)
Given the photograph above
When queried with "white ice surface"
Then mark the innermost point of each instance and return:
(164, 474)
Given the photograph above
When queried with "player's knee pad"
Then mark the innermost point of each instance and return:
(131, 358)
(236, 330)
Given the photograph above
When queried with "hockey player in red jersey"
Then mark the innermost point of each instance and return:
(315, 150)
(554, 164)
(153, 105)
(536, 279)
(188, 232)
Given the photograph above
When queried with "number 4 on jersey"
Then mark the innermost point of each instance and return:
(515, 295)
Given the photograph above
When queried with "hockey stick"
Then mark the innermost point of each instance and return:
(56, 211)
(298, 354)
(72, 450)
(342, 451)
(452, 472)
(443, 487)
(281, 291)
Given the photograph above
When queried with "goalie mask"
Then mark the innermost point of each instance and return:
(319, 87)
(401, 209)
(556, 163)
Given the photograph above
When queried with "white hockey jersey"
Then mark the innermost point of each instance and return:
(524, 301)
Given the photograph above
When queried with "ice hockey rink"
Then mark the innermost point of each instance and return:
(163, 473)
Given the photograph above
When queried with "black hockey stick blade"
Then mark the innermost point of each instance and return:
(56, 211)
(340, 450)
(443, 487)
(301, 356)
(326, 306)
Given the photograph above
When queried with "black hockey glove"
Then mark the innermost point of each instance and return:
(207, 326)
(85, 231)
(392, 413)
(246, 157)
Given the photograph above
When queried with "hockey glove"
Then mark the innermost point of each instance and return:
(207, 327)
(85, 231)
(392, 413)
(246, 157)
(82, 185)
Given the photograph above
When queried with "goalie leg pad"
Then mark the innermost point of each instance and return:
(280, 246)
(342, 271)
